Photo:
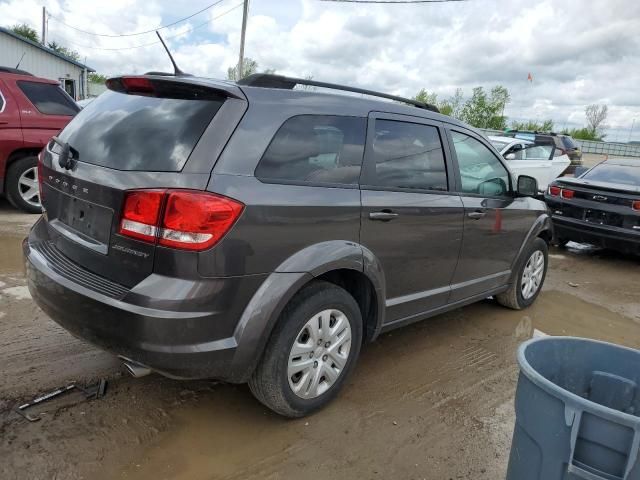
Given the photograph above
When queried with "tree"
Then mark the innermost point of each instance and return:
(596, 116)
(486, 111)
(583, 134)
(425, 97)
(533, 126)
(67, 52)
(452, 106)
(249, 67)
(25, 31)
(97, 78)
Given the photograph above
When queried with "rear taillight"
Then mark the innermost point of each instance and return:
(554, 191)
(636, 205)
(566, 193)
(136, 85)
(140, 214)
(181, 219)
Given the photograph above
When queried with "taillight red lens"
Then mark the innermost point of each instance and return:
(566, 193)
(636, 205)
(191, 220)
(554, 191)
(197, 220)
(140, 214)
(139, 85)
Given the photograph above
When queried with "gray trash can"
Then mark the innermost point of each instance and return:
(577, 411)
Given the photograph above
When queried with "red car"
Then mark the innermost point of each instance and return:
(32, 110)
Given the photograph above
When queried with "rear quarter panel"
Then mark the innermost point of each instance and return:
(11, 137)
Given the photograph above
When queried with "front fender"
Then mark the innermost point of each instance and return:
(542, 223)
(264, 309)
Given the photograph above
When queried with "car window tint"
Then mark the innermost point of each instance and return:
(569, 143)
(49, 99)
(314, 149)
(612, 173)
(480, 170)
(408, 155)
(135, 132)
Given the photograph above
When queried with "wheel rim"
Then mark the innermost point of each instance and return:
(532, 275)
(319, 354)
(28, 187)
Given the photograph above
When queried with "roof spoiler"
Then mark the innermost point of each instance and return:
(267, 80)
(156, 84)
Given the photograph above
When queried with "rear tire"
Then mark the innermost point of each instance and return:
(300, 373)
(21, 180)
(529, 277)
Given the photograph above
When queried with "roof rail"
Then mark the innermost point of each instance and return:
(14, 70)
(267, 80)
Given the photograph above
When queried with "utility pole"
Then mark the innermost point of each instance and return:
(631, 131)
(44, 22)
(245, 10)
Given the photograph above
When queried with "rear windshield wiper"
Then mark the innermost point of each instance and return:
(67, 155)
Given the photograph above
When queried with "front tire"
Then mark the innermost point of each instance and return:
(311, 352)
(529, 277)
(22, 185)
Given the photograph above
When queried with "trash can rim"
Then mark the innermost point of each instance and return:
(565, 395)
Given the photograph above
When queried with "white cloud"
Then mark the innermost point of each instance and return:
(578, 53)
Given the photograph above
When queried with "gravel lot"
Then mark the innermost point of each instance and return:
(430, 401)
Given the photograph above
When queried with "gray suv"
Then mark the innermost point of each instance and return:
(254, 232)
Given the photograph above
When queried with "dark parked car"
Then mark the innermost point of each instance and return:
(32, 110)
(601, 206)
(564, 145)
(254, 233)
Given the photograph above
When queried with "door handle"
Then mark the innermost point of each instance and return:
(477, 215)
(383, 216)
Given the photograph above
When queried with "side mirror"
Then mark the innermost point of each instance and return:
(510, 156)
(527, 186)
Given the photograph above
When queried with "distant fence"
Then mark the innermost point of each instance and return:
(612, 149)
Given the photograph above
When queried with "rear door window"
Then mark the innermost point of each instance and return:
(49, 99)
(408, 155)
(315, 149)
(133, 132)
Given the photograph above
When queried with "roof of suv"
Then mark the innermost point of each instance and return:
(315, 101)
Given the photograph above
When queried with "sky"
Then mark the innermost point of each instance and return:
(578, 52)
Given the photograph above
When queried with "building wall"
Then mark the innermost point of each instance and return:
(39, 62)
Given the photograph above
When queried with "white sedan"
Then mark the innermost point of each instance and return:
(528, 158)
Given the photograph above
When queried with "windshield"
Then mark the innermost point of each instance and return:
(133, 132)
(612, 173)
(569, 143)
(498, 145)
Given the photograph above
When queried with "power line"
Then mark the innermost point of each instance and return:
(137, 33)
(156, 42)
(393, 1)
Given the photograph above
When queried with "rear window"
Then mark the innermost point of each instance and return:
(612, 173)
(49, 99)
(315, 149)
(132, 132)
(569, 143)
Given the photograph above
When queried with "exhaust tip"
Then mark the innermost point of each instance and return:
(135, 369)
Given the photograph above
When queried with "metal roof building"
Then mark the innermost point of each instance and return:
(44, 62)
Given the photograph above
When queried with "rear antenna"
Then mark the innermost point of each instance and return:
(177, 72)
(18, 65)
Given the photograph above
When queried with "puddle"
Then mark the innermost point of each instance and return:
(432, 400)
(10, 254)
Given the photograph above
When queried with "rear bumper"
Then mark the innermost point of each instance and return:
(600, 235)
(173, 342)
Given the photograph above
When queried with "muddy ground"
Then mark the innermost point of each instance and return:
(430, 401)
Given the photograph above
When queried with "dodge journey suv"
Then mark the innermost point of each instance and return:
(254, 232)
